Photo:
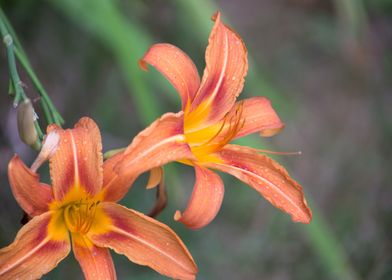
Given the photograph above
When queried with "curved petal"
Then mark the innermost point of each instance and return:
(33, 252)
(77, 161)
(177, 67)
(144, 241)
(156, 177)
(162, 142)
(114, 186)
(206, 199)
(269, 178)
(96, 262)
(31, 195)
(258, 116)
(223, 78)
(161, 192)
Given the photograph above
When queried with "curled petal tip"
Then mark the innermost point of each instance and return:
(177, 215)
(309, 215)
(215, 16)
(271, 132)
(143, 65)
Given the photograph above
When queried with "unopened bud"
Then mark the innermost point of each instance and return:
(49, 147)
(26, 128)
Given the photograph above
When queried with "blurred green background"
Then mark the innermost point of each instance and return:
(327, 67)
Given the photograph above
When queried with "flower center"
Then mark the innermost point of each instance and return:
(79, 216)
(214, 137)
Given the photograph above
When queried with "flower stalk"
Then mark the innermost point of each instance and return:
(16, 52)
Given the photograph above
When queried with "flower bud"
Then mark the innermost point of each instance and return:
(26, 128)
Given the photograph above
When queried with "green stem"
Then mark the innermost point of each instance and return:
(39, 130)
(17, 83)
(50, 111)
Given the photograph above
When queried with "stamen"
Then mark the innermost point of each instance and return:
(235, 123)
(297, 153)
(79, 216)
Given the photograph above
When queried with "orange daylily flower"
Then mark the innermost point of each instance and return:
(209, 120)
(74, 209)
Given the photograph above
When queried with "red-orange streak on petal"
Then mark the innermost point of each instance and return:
(33, 253)
(145, 241)
(223, 78)
(162, 142)
(177, 67)
(31, 195)
(205, 201)
(268, 177)
(96, 262)
(78, 159)
(258, 116)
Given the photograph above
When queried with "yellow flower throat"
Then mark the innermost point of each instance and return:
(206, 140)
(79, 216)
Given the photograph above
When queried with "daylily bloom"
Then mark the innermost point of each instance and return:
(74, 210)
(209, 120)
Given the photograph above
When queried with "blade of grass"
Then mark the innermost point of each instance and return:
(328, 248)
(127, 41)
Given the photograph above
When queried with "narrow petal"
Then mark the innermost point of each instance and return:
(144, 241)
(266, 176)
(258, 116)
(205, 201)
(162, 142)
(31, 195)
(161, 197)
(33, 252)
(177, 67)
(77, 161)
(96, 262)
(223, 78)
(156, 177)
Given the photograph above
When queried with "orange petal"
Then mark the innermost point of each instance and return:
(163, 141)
(177, 67)
(96, 262)
(205, 201)
(161, 197)
(258, 116)
(115, 186)
(31, 195)
(33, 253)
(156, 177)
(144, 241)
(77, 161)
(223, 78)
(268, 177)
